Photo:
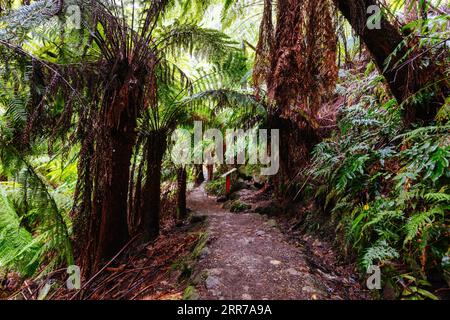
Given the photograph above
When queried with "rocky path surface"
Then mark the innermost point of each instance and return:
(248, 258)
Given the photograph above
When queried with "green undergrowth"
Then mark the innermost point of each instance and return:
(186, 264)
(386, 190)
(186, 267)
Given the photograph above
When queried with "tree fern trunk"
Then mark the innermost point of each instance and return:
(199, 177)
(107, 230)
(111, 190)
(182, 186)
(296, 144)
(151, 192)
(210, 169)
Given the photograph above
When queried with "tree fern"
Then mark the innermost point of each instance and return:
(35, 200)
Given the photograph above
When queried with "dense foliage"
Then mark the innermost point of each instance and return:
(387, 189)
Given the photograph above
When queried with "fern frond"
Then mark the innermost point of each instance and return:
(437, 197)
(420, 221)
(379, 252)
(204, 43)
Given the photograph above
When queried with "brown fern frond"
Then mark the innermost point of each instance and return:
(304, 71)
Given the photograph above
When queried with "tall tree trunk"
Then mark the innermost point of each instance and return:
(111, 189)
(106, 230)
(198, 172)
(151, 192)
(403, 81)
(302, 75)
(296, 144)
(210, 169)
(182, 186)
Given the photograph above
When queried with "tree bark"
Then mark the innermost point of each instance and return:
(107, 230)
(403, 81)
(293, 73)
(210, 168)
(182, 186)
(110, 193)
(151, 193)
(297, 141)
(199, 177)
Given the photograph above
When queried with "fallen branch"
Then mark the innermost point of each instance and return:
(104, 267)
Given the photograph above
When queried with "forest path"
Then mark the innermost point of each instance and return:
(248, 258)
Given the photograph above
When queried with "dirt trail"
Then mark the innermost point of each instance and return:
(247, 257)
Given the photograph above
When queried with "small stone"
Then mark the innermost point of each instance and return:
(293, 272)
(271, 223)
(309, 289)
(317, 243)
(246, 296)
(275, 262)
(204, 253)
(212, 282)
(260, 233)
(215, 271)
(245, 241)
